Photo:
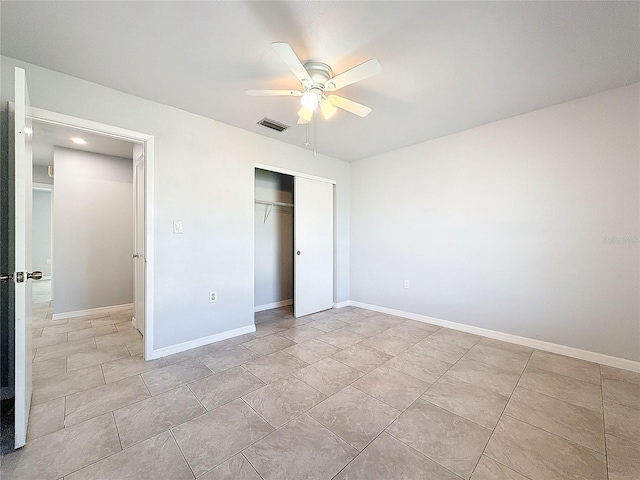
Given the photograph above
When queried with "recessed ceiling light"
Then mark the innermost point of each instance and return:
(79, 141)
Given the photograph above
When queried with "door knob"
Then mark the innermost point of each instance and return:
(35, 275)
(298, 252)
(19, 276)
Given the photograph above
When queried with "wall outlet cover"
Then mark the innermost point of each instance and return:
(213, 297)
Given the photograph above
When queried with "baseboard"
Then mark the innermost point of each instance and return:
(181, 347)
(346, 303)
(269, 306)
(601, 358)
(91, 311)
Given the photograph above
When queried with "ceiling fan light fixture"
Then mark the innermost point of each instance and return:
(305, 114)
(310, 100)
(328, 109)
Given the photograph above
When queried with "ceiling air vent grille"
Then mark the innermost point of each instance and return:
(273, 125)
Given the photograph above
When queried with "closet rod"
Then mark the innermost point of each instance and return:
(277, 204)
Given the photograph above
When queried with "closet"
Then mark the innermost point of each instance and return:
(294, 242)
(273, 240)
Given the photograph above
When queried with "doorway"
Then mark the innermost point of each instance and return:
(99, 220)
(294, 241)
(141, 251)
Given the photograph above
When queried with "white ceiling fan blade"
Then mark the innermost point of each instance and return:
(349, 105)
(289, 57)
(355, 74)
(264, 93)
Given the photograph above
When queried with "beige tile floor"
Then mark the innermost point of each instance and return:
(344, 394)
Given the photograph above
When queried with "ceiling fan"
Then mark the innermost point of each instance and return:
(317, 82)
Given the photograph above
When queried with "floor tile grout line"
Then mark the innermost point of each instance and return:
(552, 433)
(619, 404)
(252, 466)
(101, 459)
(506, 466)
(560, 374)
(115, 423)
(604, 425)
(500, 418)
(181, 452)
(424, 455)
(556, 398)
(559, 399)
(623, 439)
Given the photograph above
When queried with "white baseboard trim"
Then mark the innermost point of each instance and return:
(601, 358)
(90, 311)
(346, 303)
(269, 306)
(199, 342)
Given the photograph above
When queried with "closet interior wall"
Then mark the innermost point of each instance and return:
(274, 240)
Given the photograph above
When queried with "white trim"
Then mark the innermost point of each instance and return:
(148, 141)
(149, 218)
(595, 357)
(199, 342)
(42, 186)
(87, 125)
(90, 311)
(346, 303)
(269, 306)
(293, 173)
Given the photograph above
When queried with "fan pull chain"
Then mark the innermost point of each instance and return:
(307, 142)
(315, 133)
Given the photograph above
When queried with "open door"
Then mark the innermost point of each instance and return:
(313, 239)
(20, 226)
(139, 258)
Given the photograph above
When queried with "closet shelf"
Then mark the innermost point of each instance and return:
(274, 204)
(270, 205)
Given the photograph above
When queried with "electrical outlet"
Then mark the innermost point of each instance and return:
(177, 226)
(407, 285)
(213, 297)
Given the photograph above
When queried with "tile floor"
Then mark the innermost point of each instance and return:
(345, 394)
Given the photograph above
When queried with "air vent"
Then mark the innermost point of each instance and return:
(273, 125)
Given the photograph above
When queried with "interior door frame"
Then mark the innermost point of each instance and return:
(294, 173)
(138, 159)
(48, 187)
(148, 143)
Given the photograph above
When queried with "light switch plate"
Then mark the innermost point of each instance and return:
(177, 226)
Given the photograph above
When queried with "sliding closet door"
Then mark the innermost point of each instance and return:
(313, 240)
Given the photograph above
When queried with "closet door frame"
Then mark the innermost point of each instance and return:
(294, 173)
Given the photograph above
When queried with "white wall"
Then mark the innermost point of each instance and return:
(93, 234)
(502, 226)
(41, 234)
(41, 175)
(204, 176)
(274, 239)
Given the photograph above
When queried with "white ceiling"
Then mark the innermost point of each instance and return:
(48, 135)
(446, 66)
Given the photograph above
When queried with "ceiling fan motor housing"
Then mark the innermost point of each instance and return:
(320, 73)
